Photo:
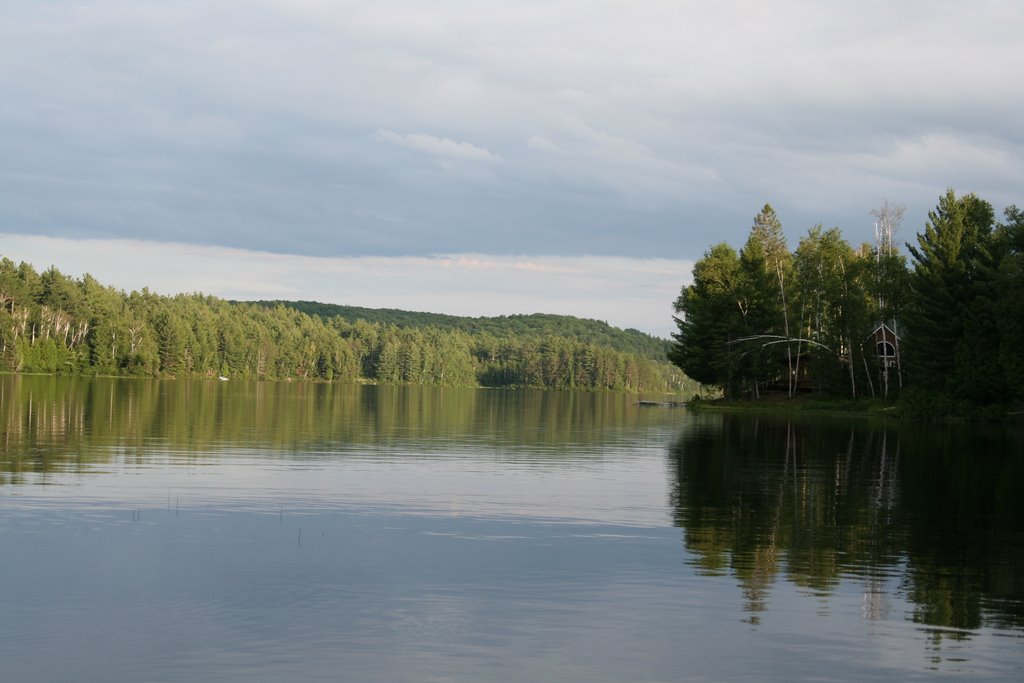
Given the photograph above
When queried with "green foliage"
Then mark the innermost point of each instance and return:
(52, 323)
(43, 356)
(712, 316)
(534, 325)
(964, 320)
(950, 311)
(959, 313)
(767, 265)
(767, 320)
(1009, 305)
(821, 262)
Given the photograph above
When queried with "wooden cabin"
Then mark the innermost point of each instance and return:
(887, 355)
(887, 346)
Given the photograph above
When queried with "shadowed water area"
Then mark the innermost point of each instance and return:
(227, 531)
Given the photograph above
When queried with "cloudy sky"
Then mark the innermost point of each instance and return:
(475, 157)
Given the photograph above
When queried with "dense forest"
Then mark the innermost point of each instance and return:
(944, 333)
(50, 322)
(533, 325)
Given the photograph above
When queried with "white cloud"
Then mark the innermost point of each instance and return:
(442, 147)
(590, 122)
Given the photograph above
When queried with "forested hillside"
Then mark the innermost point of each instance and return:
(767, 319)
(533, 325)
(50, 322)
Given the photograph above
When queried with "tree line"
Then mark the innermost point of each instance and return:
(944, 331)
(53, 323)
(519, 325)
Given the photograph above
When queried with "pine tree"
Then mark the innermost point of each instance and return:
(1010, 305)
(950, 324)
(711, 316)
(768, 265)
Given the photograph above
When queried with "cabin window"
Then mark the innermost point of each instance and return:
(886, 349)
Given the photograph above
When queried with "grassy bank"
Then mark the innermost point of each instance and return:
(911, 407)
(800, 404)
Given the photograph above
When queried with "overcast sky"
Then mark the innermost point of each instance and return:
(404, 133)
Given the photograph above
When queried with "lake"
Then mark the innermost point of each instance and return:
(234, 531)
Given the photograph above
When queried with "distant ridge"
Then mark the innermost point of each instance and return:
(526, 325)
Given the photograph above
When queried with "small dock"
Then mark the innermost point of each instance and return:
(663, 404)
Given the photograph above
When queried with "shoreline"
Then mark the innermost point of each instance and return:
(871, 408)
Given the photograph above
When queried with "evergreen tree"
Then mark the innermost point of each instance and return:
(711, 315)
(768, 265)
(171, 343)
(951, 321)
(1010, 307)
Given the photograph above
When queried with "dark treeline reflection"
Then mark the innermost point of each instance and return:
(932, 513)
(52, 424)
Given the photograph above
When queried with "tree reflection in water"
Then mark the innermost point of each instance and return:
(930, 513)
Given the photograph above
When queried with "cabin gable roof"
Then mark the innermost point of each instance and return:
(884, 333)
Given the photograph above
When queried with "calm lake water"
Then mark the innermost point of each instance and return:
(230, 531)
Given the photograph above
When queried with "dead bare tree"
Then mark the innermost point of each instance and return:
(888, 218)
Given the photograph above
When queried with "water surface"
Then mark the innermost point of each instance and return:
(215, 531)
